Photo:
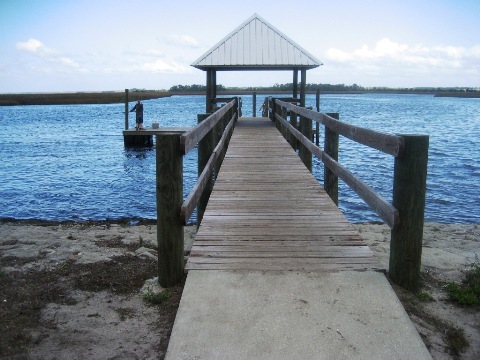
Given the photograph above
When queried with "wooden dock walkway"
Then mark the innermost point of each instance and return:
(268, 212)
(268, 215)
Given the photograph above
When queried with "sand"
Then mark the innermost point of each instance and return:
(89, 315)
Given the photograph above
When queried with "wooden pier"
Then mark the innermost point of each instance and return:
(268, 212)
(276, 271)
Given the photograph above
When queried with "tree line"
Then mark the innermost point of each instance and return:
(326, 88)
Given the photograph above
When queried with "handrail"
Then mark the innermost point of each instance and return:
(390, 144)
(384, 209)
(190, 139)
(405, 215)
(381, 206)
(172, 211)
(192, 199)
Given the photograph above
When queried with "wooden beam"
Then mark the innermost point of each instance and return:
(209, 92)
(190, 139)
(195, 195)
(295, 83)
(303, 84)
(409, 189)
(126, 109)
(387, 143)
(169, 183)
(377, 203)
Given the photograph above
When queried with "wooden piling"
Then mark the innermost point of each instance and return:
(169, 184)
(293, 121)
(254, 102)
(210, 91)
(317, 124)
(126, 109)
(205, 149)
(330, 182)
(272, 106)
(409, 188)
(304, 153)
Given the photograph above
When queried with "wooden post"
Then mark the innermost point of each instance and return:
(209, 92)
(409, 188)
(317, 124)
(205, 149)
(295, 83)
(282, 128)
(330, 182)
(279, 111)
(272, 105)
(254, 102)
(293, 140)
(214, 84)
(169, 166)
(303, 84)
(126, 109)
(304, 153)
(217, 131)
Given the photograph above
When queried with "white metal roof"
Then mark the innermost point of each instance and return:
(256, 45)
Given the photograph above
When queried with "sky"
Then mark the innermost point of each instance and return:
(109, 45)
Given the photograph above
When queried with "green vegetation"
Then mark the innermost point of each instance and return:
(424, 296)
(334, 88)
(456, 340)
(468, 292)
(195, 88)
(156, 298)
(112, 97)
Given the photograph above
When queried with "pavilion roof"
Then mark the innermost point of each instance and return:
(256, 45)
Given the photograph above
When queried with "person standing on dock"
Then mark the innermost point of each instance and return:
(138, 108)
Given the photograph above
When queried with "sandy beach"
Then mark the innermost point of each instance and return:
(78, 290)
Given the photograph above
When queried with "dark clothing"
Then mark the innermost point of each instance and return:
(138, 108)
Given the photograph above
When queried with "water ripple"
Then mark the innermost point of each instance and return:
(69, 163)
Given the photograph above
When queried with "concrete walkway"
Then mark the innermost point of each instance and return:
(292, 315)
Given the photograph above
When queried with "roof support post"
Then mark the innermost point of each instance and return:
(214, 84)
(303, 84)
(295, 83)
(209, 93)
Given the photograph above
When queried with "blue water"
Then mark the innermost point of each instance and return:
(69, 162)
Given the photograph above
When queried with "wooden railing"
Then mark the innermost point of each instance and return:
(405, 215)
(212, 135)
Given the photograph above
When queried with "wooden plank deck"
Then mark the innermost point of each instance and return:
(267, 212)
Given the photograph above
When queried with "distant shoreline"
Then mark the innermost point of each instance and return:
(112, 97)
(105, 97)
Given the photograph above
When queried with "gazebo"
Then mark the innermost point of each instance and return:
(256, 45)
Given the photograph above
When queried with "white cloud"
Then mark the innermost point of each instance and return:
(154, 52)
(161, 66)
(184, 40)
(388, 50)
(36, 47)
(387, 58)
